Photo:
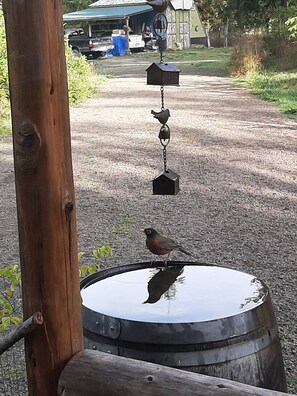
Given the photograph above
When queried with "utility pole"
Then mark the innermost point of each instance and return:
(44, 187)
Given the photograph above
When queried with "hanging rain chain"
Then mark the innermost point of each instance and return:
(163, 74)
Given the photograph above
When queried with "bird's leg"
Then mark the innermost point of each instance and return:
(153, 260)
(166, 260)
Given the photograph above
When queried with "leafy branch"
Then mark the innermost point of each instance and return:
(11, 278)
(97, 254)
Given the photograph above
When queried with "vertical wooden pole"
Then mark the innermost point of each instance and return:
(44, 187)
(127, 33)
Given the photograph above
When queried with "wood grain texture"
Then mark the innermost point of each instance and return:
(91, 373)
(44, 187)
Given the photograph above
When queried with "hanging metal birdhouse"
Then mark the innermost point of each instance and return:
(166, 184)
(162, 74)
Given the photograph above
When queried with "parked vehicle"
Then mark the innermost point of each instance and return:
(136, 43)
(81, 44)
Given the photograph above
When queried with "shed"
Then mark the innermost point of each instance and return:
(184, 25)
(108, 15)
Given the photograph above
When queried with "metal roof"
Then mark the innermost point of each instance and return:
(95, 14)
(111, 3)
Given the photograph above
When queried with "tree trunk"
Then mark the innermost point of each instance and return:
(207, 37)
(226, 31)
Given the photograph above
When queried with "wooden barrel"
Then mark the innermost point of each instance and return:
(200, 318)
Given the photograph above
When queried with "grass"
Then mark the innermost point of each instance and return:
(279, 88)
(212, 59)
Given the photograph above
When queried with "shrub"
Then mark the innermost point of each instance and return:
(292, 27)
(90, 266)
(10, 280)
(280, 54)
(82, 80)
(247, 56)
(4, 95)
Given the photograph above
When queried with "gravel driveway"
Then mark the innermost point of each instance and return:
(236, 157)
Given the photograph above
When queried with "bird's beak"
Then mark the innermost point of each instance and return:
(142, 230)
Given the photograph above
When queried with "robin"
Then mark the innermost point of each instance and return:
(160, 245)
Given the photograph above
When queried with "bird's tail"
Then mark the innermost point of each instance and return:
(180, 248)
(184, 251)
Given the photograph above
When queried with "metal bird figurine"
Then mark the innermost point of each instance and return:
(162, 116)
(158, 5)
(160, 245)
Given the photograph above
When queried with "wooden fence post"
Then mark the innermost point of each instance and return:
(44, 187)
(92, 373)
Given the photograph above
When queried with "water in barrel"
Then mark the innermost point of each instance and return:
(206, 319)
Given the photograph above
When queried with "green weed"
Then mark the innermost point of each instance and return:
(123, 227)
(98, 254)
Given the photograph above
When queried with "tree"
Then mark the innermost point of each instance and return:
(292, 27)
(75, 5)
(245, 15)
(214, 14)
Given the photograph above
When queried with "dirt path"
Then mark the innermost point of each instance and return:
(236, 157)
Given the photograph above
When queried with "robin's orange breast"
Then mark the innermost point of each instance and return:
(153, 246)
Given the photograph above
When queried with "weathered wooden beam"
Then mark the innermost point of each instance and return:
(16, 335)
(44, 187)
(91, 373)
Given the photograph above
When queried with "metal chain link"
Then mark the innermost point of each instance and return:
(162, 97)
(165, 158)
(161, 53)
(163, 108)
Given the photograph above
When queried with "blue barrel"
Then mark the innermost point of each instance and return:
(196, 317)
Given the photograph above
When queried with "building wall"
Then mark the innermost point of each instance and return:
(184, 27)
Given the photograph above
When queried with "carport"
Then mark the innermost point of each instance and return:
(112, 16)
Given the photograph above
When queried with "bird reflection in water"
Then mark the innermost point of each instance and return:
(162, 282)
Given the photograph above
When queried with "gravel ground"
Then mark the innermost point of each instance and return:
(235, 155)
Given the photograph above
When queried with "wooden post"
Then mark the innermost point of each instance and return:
(44, 187)
(92, 373)
(127, 28)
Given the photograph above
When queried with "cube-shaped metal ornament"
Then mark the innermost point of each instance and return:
(162, 74)
(166, 184)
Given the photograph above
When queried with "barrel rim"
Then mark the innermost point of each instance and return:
(106, 272)
(240, 323)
